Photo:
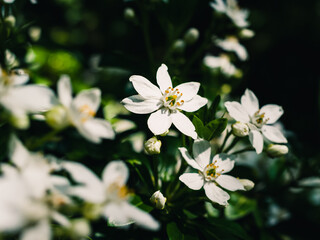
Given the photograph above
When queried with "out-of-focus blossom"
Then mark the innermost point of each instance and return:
(166, 101)
(222, 62)
(231, 9)
(81, 111)
(211, 172)
(258, 120)
(111, 193)
(20, 99)
(11, 1)
(158, 200)
(232, 44)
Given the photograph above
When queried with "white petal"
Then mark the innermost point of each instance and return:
(163, 78)
(230, 183)
(194, 181)
(189, 90)
(250, 102)
(159, 121)
(65, 90)
(90, 97)
(241, 52)
(19, 155)
(115, 171)
(216, 194)
(237, 111)
(189, 160)
(99, 128)
(201, 151)
(273, 134)
(272, 112)
(224, 162)
(61, 219)
(194, 104)
(40, 231)
(256, 140)
(137, 104)
(28, 99)
(183, 124)
(144, 87)
(20, 78)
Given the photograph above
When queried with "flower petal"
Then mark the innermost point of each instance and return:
(216, 194)
(18, 153)
(273, 134)
(90, 97)
(40, 231)
(65, 90)
(256, 140)
(237, 111)
(20, 78)
(194, 181)
(194, 104)
(99, 128)
(163, 78)
(183, 124)
(159, 121)
(250, 102)
(224, 162)
(115, 171)
(137, 104)
(201, 151)
(230, 183)
(189, 90)
(189, 160)
(272, 112)
(144, 87)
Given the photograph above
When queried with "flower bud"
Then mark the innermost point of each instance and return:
(191, 36)
(246, 33)
(158, 199)
(35, 33)
(240, 129)
(80, 227)
(152, 146)
(129, 14)
(179, 46)
(247, 184)
(57, 117)
(10, 21)
(277, 150)
(20, 121)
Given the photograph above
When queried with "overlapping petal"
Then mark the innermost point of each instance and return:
(145, 88)
(201, 151)
(273, 134)
(189, 160)
(216, 194)
(138, 104)
(250, 102)
(189, 90)
(183, 124)
(256, 140)
(230, 183)
(194, 181)
(237, 111)
(224, 162)
(160, 121)
(163, 78)
(272, 112)
(194, 104)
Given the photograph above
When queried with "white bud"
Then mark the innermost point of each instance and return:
(129, 14)
(20, 121)
(246, 33)
(152, 146)
(247, 184)
(277, 150)
(35, 33)
(57, 117)
(240, 129)
(158, 200)
(10, 21)
(179, 46)
(191, 36)
(80, 227)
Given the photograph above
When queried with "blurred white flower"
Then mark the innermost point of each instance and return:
(11, 1)
(257, 119)
(82, 109)
(232, 44)
(166, 101)
(20, 99)
(111, 193)
(223, 62)
(231, 9)
(210, 172)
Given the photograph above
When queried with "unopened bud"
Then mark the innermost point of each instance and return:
(247, 184)
(246, 33)
(80, 227)
(158, 200)
(20, 121)
(35, 33)
(179, 46)
(10, 21)
(152, 146)
(277, 150)
(129, 14)
(240, 129)
(57, 117)
(191, 36)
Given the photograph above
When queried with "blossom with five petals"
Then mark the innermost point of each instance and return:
(211, 173)
(258, 120)
(165, 102)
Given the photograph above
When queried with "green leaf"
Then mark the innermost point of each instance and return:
(239, 206)
(198, 124)
(216, 127)
(136, 201)
(174, 232)
(211, 113)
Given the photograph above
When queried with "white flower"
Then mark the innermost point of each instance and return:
(257, 119)
(22, 99)
(111, 193)
(232, 44)
(222, 62)
(158, 199)
(166, 101)
(82, 109)
(211, 173)
(232, 10)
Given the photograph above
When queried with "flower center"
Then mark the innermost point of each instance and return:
(115, 191)
(171, 98)
(259, 119)
(210, 171)
(86, 112)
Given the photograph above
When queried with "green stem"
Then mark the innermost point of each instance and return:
(247, 149)
(39, 142)
(234, 142)
(225, 141)
(155, 171)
